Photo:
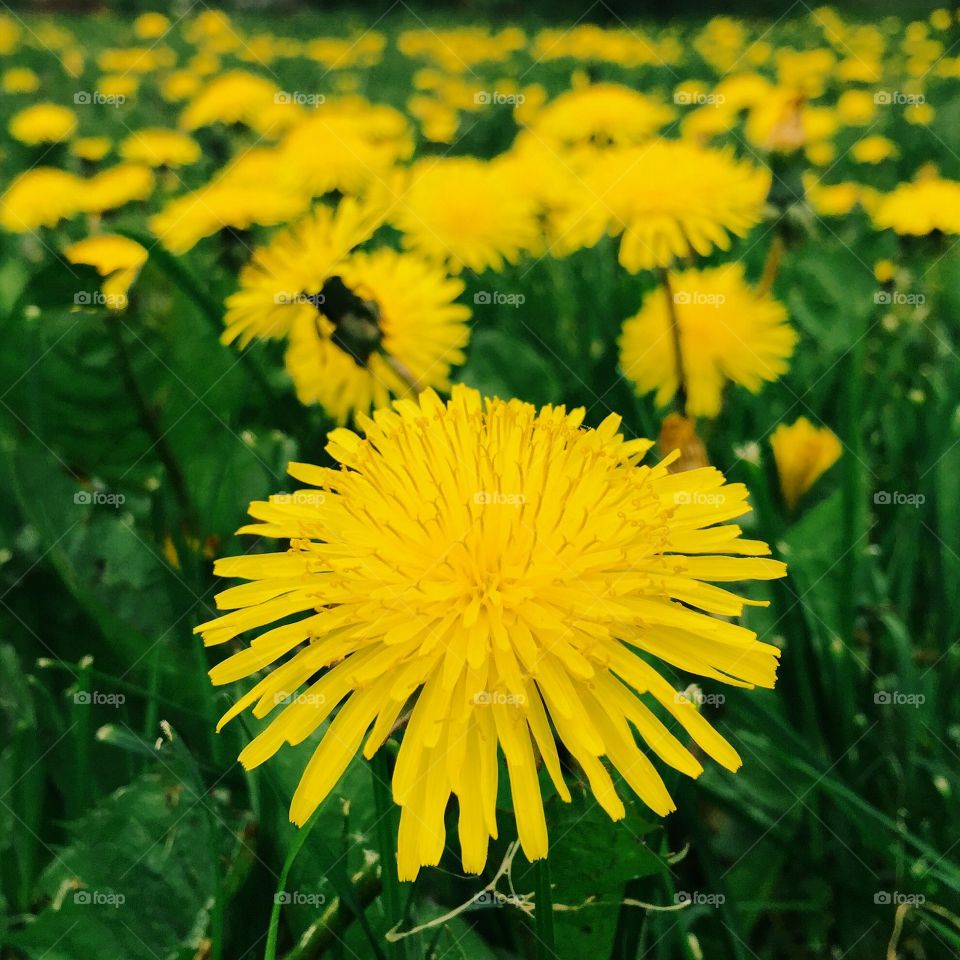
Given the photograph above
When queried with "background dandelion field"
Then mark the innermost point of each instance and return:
(133, 441)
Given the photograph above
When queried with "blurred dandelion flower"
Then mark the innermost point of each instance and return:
(501, 578)
(43, 123)
(919, 208)
(727, 331)
(803, 454)
(116, 258)
(40, 197)
(668, 199)
(462, 212)
(385, 326)
(283, 280)
(157, 147)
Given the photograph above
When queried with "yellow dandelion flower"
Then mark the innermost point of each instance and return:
(157, 147)
(856, 108)
(179, 85)
(803, 454)
(669, 199)
(234, 97)
(884, 271)
(602, 114)
(920, 114)
(252, 189)
(446, 570)
(151, 26)
(831, 200)
(120, 87)
(91, 148)
(727, 332)
(920, 208)
(43, 123)
(40, 197)
(385, 325)
(116, 187)
(874, 149)
(463, 212)
(20, 80)
(283, 280)
(117, 259)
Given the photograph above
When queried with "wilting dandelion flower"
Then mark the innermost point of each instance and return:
(491, 577)
(726, 329)
(803, 454)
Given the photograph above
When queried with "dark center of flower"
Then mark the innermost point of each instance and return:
(356, 321)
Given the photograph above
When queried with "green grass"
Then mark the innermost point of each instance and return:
(127, 828)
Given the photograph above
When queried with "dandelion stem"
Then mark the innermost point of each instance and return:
(383, 804)
(677, 346)
(772, 265)
(546, 945)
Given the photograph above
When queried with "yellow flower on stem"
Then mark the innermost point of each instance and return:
(727, 331)
(488, 577)
(116, 258)
(803, 454)
(668, 199)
